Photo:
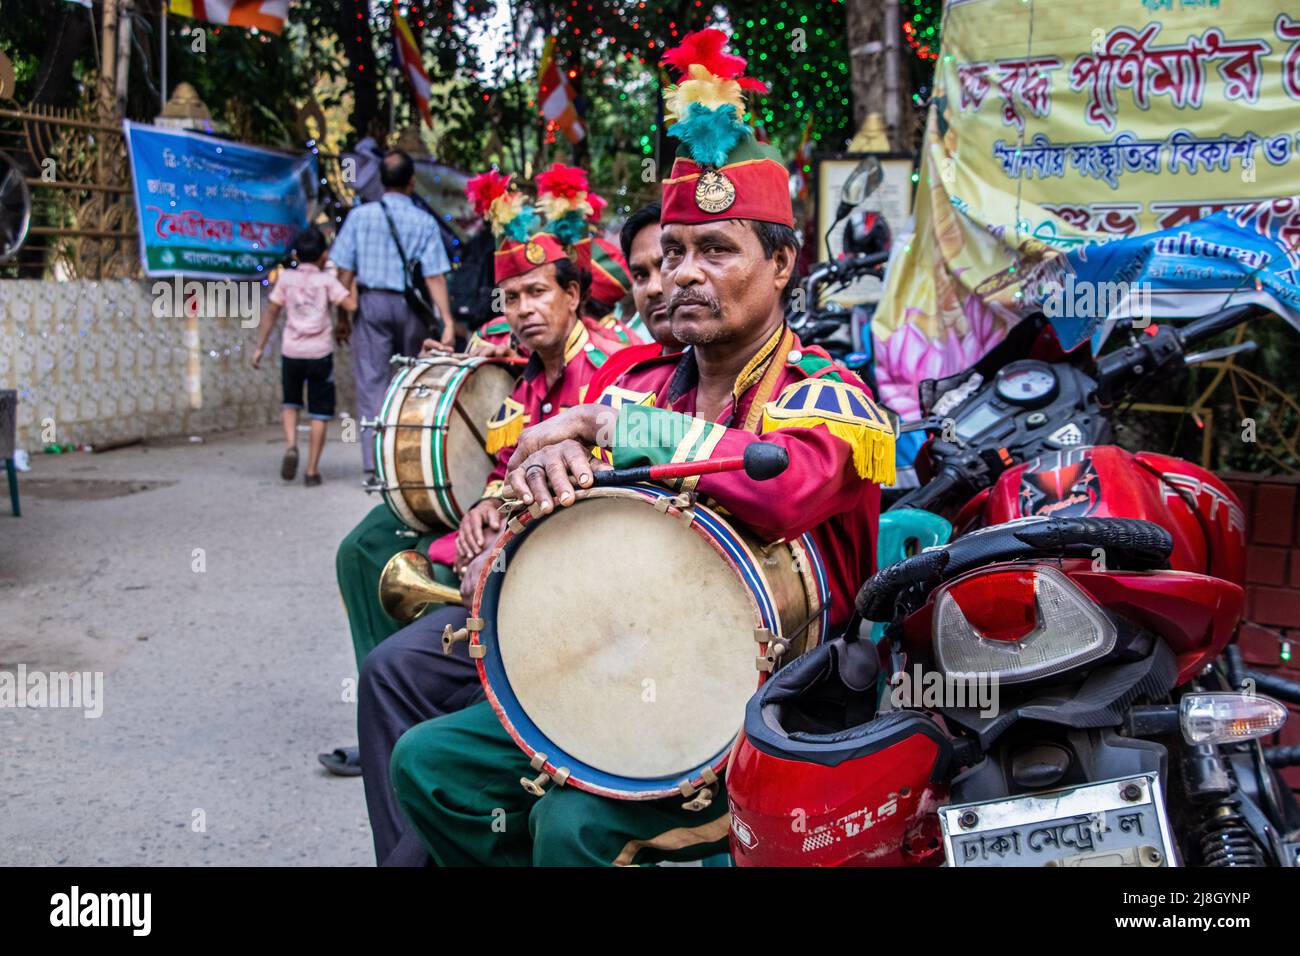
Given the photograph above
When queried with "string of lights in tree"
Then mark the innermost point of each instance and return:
(800, 49)
(814, 81)
(602, 43)
(921, 29)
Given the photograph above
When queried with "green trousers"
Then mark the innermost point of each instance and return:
(359, 562)
(457, 779)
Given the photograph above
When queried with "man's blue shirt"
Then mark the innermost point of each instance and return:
(365, 243)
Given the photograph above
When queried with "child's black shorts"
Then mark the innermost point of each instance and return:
(317, 374)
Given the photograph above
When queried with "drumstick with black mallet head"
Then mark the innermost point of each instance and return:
(761, 461)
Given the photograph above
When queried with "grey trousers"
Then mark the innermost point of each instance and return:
(405, 681)
(385, 327)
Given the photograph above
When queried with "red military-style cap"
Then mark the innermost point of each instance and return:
(721, 170)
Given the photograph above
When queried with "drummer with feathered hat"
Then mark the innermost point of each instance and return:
(572, 212)
(729, 254)
(407, 679)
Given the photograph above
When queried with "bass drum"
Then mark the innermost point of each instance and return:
(619, 639)
(431, 461)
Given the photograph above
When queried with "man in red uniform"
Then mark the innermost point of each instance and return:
(729, 260)
(639, 239)
(407, 679)
(557, 377)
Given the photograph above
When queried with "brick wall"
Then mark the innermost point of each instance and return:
(1272, 506)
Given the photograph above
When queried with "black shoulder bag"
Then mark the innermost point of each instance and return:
(415, 290)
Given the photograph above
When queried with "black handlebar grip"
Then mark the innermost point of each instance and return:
(933, 492)
(1212, 325)
(1275, 685)
(1279, 757)
(1119, 369)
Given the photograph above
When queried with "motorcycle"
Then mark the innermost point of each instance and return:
(1062, 688)
(842, 332)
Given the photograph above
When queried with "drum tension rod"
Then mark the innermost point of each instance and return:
(703, 798)
(453, 636)
(411, 485)
(423, 387)
(777, 646)
(381, 427)
(537, 786)
(684, 502)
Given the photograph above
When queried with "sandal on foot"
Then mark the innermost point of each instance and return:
(343, 761)
(311, 481)
(289, 466)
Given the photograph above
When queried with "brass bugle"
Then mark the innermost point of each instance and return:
(407, 587)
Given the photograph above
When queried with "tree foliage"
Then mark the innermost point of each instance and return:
(481, 56)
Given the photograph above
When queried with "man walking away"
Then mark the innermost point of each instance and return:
(386, 324)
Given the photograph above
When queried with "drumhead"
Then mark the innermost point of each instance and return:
(627, 638)
(467, 462)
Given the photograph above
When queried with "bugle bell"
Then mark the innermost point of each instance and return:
(407, 587)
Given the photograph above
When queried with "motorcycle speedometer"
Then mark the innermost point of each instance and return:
(1027, 382)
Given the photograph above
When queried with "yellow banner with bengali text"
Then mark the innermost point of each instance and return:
(1057, 126)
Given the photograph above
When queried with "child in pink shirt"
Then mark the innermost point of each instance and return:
(307, 348)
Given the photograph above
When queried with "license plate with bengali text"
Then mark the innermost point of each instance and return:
(1116, 823)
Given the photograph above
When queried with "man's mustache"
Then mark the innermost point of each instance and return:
(691, 297)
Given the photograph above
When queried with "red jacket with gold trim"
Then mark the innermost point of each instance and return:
(840, 445)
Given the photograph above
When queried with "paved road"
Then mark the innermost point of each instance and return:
(224, 669)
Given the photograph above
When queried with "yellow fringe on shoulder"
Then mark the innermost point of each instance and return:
(873, 448)
(504, 435)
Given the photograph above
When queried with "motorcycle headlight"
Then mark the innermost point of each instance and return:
(1018, 624)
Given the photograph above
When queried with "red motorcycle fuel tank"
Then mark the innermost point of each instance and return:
(1202, 515)
(1219, 510)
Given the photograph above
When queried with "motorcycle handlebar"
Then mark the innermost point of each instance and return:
(1212, 325)
(933, 492)
(846, 268)
(1119, 369)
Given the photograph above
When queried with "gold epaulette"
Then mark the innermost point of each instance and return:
(505, 427)
(847, 413)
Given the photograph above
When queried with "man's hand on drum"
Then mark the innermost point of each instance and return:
(551, 474)
(432, 347)
(471, 573)
(553, 458)
(491, 349)
(478, 529)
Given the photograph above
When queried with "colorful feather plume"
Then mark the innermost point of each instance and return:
(705, 109)
(563, 195)
(493, 196)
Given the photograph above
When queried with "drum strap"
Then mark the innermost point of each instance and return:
(766, 387)
(469, 423)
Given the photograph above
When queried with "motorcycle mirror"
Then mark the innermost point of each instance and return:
(862, 182)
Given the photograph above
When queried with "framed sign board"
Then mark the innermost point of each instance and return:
(893, 199)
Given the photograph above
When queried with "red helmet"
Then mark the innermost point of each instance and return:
(815, 780)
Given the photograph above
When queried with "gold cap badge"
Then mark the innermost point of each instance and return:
(714, 192)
